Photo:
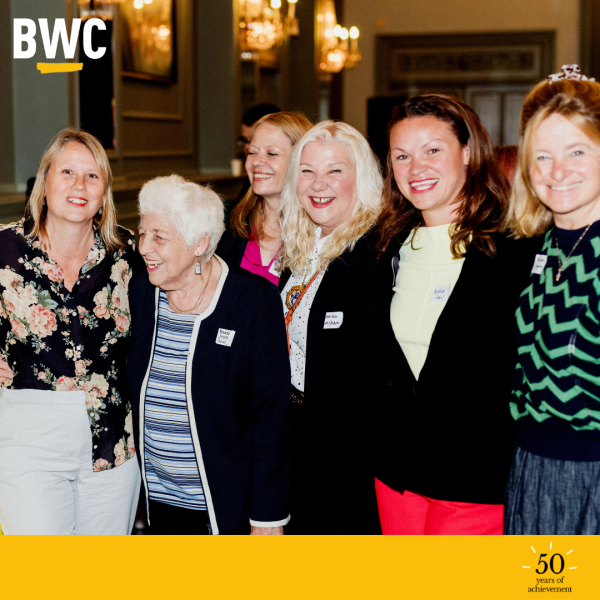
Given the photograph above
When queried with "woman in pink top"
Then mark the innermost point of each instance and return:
(253, 238)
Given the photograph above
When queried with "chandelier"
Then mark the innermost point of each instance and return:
(262, 25)
(335, 52)
(99, 8)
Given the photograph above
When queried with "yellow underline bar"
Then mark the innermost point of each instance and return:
(59, 67)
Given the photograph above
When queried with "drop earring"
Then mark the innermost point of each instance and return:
(44, 201)
(100, 211)
(198, 270)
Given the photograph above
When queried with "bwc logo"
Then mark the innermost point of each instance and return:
(25, 46)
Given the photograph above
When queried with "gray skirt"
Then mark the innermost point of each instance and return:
(545, 496)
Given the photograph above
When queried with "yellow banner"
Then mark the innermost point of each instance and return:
(300, 567)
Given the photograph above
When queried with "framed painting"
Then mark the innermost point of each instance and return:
(148, 40)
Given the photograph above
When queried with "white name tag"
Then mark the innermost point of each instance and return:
(441, 293)
(539, 264)
(333, 320)
(225, 337)
(275, 268)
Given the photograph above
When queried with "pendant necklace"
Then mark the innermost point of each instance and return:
(296, 290)
(560, 263)
(187, 312)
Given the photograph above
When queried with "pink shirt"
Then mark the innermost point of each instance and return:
(251, 261)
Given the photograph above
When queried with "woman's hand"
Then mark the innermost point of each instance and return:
(266, 530)
(6, 374)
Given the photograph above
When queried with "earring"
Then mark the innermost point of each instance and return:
(44, 201)
(100, 211)
(198, 270)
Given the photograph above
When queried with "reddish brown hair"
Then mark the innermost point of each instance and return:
(507, 161)
(483, 197)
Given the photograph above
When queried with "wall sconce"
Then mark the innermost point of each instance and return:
(262, 25)
(333, 41)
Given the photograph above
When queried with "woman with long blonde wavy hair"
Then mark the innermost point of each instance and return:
(330, 202)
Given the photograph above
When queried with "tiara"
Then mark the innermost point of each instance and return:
(572, 72)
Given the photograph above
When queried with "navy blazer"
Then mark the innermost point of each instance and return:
(240, 397)
(449, 435)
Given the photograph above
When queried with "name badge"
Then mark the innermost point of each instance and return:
(275, 268)
(225, 337)
(333, 320)
(441, 293)
(539, 264)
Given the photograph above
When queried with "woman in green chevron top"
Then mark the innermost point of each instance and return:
(554, 484)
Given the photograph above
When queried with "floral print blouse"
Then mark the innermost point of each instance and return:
(58, 340)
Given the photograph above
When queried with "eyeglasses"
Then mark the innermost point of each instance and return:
(242, 141)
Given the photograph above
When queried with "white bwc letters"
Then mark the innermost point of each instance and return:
(24, 31)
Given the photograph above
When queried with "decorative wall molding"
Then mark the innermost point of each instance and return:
(158, 153)
(145, 115)
(589, 41)
(404, 62)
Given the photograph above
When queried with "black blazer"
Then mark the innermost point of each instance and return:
(240, 395)
(231, 247)
(332, 473)
(449, 435)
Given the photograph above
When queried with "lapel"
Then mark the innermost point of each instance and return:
(470, 289)
(387, 268)
(283, 279)
(320, 305)
(469, 293)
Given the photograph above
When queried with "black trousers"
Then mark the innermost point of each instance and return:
(166, 519)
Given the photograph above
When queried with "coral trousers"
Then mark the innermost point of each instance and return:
(412, 514)
(47, 483)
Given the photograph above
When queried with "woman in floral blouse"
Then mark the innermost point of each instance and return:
(65, 418)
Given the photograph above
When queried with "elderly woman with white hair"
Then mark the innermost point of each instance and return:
(330, 202)
(208, 374)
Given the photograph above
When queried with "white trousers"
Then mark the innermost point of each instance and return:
(47, 483)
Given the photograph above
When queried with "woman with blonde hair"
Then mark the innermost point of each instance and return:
(330, 202)
(253, 239)
(66, 436)
(554, 483)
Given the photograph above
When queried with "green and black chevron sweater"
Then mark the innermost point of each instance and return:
(556, 397)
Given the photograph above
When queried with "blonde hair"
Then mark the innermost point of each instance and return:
(251, 207)
(194, 210)
(298, 229)
(577, 101)
(36, 208)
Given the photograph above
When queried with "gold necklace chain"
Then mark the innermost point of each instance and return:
(187, 312)
(560, 263)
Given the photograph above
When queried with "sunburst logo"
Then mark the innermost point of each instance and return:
(551, 571)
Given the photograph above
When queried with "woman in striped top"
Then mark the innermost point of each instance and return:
(208, 374)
